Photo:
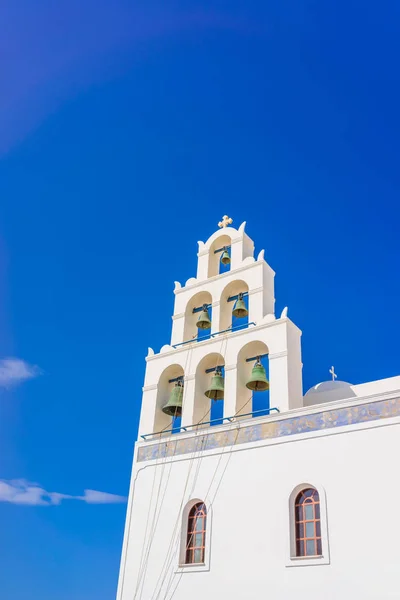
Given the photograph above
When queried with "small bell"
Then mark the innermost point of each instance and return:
(225, 258)
(173, 408)
(204, 321)
(258, 381)
(239, 309)
(216, 391)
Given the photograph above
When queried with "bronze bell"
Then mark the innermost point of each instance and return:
(239, 309)
(258, 381)
(216, 391)
(173, 408)
(204, 321)
(225, 258)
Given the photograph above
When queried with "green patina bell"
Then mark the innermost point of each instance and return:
(204, 321)
(258, 381)
(216, 391)
(225, 258)
(240, 310)
(173, 408)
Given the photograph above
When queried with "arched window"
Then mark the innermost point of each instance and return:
(196, 534)
(308, 523)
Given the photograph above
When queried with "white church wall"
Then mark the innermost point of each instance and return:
(390, 384)
(248, 490)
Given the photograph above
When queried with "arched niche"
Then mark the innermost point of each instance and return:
(244, 396)
(164, 388)
(214, 260)
(232, 289)
(190, 331)
(202, 404)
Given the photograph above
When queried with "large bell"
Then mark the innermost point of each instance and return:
(204, 321)
(216, 391)
(258, 381)
(240, 310)
(173, 408)
(225, 258)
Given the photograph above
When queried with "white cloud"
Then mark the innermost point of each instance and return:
(15, 370)
(20, 491)
(95, 497)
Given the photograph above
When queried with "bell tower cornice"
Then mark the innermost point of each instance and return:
(192, 283)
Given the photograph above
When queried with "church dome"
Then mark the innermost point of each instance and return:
(327, 391)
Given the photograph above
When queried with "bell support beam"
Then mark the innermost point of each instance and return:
(180, 378)
(200, 308)
(236, 297)
(212, 369)
(221, 249)
(256, 357)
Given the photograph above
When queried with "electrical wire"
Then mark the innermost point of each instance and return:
(207, 493)
(171, 550)
(156, 519)
(229, 453)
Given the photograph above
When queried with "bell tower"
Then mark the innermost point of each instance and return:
(227, 346)
(222, 318)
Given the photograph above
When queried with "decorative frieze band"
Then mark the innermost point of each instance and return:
(283, 427)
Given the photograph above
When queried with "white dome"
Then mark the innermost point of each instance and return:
(327, 391)
(328, 386)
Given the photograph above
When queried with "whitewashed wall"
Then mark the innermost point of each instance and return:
(247, 492)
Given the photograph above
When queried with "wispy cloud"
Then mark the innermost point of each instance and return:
(20, 491)
(14, 371)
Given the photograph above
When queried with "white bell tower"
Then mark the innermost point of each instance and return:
(154, 527)
(188, 357)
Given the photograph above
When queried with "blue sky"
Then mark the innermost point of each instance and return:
(127, 129)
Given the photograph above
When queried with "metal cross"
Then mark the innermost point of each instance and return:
(332, 372)
(225, 221)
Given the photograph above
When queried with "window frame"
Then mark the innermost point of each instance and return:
(293, 560)
(197, 513)
(183, 566)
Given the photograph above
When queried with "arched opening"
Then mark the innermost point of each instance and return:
(215, 266)
(307, 515)
(196, 534)
(254, 400)
(207, 408)
(192, 314)
(170, 401)
(229, 302)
